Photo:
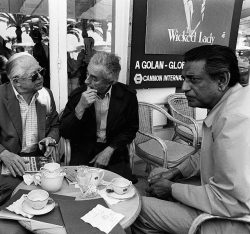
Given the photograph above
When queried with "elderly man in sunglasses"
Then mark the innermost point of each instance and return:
(27, 117)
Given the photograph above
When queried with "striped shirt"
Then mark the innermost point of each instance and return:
(29, 123)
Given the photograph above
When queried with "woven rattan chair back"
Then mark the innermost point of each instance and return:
(179, 107)
(145, 122)
(154, 150)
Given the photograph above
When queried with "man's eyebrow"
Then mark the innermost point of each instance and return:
(188, 75)
(92, 75)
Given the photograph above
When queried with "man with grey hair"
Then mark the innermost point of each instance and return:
(210, 80)
(27, 117)
(101, 118)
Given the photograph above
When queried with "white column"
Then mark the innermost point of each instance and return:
(58, 54)
(122, 42)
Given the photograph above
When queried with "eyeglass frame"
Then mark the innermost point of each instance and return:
(34, 77)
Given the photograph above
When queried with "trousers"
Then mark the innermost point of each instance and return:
(164, 217)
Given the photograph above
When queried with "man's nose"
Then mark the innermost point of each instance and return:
(87, 81)
(185, 86)
(39, 75)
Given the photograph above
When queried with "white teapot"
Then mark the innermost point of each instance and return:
(50, 181)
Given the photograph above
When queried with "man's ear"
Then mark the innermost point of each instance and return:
(224, 79)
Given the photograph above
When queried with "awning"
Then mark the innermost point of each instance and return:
(40, 7)
(100, 11)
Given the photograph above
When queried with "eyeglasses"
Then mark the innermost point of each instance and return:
(35, 76)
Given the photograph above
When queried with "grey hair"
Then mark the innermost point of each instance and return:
(110, 63)
(17, 64)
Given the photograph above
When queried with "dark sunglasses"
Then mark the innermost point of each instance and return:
(35, 76)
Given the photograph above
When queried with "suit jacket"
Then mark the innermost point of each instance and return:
(11, 122)
(122, 120)
(224, 161)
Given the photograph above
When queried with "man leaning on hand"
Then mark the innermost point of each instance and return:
(101, 118)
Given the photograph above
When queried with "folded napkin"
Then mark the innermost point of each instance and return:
(29, 179)
(108, 199)
(102, 218)
(16, 207)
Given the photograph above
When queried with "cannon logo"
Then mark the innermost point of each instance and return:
(138, 78)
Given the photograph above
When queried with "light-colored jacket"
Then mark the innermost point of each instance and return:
(224, 160)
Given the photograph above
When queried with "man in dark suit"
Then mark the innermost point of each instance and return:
(101, 118)
(27, 116)
(41, 54)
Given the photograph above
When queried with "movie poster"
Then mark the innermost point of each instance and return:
(163, 30)
(175, 26)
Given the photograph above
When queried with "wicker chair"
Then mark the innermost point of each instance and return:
(154, 150)
(180, 110)
(195, 227)
(64, 147)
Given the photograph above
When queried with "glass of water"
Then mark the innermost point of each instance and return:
(83, 179)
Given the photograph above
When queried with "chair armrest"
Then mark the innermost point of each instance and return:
(204, 217)
(65, 144)
(67, 152)
(194, 130)
(160, 142)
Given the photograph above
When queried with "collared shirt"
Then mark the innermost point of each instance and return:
(29, 123)
(101, 111)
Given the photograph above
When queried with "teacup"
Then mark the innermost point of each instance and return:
(51, 167)
(97, 175)
(37, 199)
(120, 185)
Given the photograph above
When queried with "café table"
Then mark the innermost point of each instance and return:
(129, 208)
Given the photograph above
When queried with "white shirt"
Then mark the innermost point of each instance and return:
(101, 111)
(29, 123)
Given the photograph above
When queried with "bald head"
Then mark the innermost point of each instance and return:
(19, 65)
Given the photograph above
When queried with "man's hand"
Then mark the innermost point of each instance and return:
(13, 162)
(160, 189)
(172, 175)
(87, 99)
(102, 159)
(49, 143)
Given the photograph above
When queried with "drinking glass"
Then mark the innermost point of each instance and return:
(83, 179)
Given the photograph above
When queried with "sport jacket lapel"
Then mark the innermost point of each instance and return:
(41, 119)
(12, 105)
(114, 105)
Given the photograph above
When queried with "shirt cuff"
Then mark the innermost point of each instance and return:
(79, 112)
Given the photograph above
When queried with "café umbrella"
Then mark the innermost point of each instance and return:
(100, 11)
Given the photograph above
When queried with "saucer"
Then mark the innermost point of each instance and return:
(129, 194)
(49, 207)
